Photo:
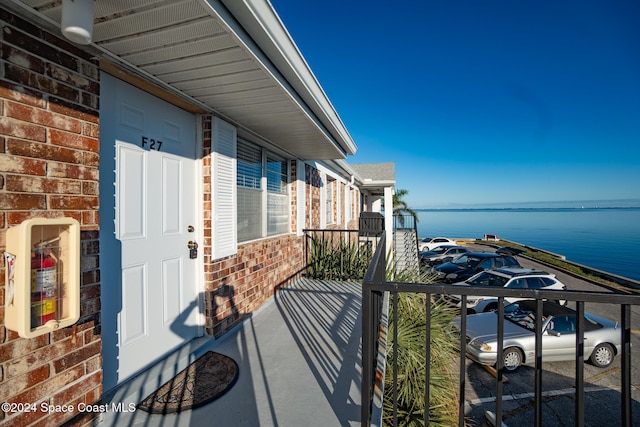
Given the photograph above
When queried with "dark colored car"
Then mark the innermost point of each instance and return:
(467, 265)
(509, 250)
(441, 254)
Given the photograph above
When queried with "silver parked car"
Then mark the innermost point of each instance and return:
(602, 337)
(441, 254)
(512, 278)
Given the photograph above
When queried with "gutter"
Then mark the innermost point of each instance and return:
(260, 20)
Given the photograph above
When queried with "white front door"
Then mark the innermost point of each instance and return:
(151, 299)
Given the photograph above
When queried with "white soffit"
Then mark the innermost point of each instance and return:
(236, 59)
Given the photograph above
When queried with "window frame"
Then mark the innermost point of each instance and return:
(266, 202)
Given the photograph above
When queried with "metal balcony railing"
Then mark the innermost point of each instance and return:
(339, 254)
(404, 222)
(378, 297)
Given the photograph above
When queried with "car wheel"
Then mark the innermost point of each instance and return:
(512, 358)
(491, 307)
(602, 355)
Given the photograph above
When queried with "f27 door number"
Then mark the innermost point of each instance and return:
(150, 143)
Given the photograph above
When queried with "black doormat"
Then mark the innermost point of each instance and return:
(206, 379)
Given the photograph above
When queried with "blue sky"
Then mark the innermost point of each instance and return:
(483, 101)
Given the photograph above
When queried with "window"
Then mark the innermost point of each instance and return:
(518, 284)
(277, 196)
(329, 210)
(563, 324)
(263, 198)
(534, 283)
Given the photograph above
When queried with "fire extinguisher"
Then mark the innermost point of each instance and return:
(43, 286)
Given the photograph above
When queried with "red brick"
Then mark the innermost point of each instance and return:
(43, 151)
(31, 184)
(90, 220)
(23, 418)
(72, 140)
(48, 387)
(21, 58)
(73, 110)
(94, 364)
(23, 201)
(64, 170)
(76, 357)
(29, 360)
(18, 348)
(21, 94)
(90, 188)
(90, 159)
(91, 129)
(74, 79)
(78, 390)
(23, 382)
(90, 292)
(22, 130)
(73, 202)
(42, 117)
(89, 307)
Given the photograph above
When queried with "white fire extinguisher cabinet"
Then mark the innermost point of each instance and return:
(43, 276)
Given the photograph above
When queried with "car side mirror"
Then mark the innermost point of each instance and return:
(553, 332)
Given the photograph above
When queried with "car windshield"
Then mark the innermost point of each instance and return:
(520, 315)
(467, 261)
(439, 249)
(488, 279)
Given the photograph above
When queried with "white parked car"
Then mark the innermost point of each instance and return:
(429, 243)
(514, 278)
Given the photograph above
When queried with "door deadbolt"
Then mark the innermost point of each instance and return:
(193, 249)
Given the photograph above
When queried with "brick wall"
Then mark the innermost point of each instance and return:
(314, 184)
(236, 286)
(49, 158)
(355, 208)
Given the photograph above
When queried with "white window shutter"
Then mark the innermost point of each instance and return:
(301, 200)
(224, 187)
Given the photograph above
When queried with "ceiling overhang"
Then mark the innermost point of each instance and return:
(231, 58)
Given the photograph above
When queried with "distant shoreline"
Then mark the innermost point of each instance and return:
(550, 209)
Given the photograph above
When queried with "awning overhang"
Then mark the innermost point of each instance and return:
(231, 58)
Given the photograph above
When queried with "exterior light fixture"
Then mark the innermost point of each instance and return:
(77, 20)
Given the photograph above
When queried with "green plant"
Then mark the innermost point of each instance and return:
(338, 259)
(411, 350)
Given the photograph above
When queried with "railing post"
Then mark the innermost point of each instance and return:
(626, 364)
(500, 364)
(537, 418)
(579, 374)
(427, 360)
(463, 360)
(366, 391)
(371, 316)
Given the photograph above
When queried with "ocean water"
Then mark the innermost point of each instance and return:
(606, 238)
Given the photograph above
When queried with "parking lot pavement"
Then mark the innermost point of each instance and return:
(602, 386)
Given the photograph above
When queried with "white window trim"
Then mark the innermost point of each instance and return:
(301, 197)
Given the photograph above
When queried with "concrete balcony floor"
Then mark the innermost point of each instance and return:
(299, 359)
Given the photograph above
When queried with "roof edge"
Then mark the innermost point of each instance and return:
(262, 23)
